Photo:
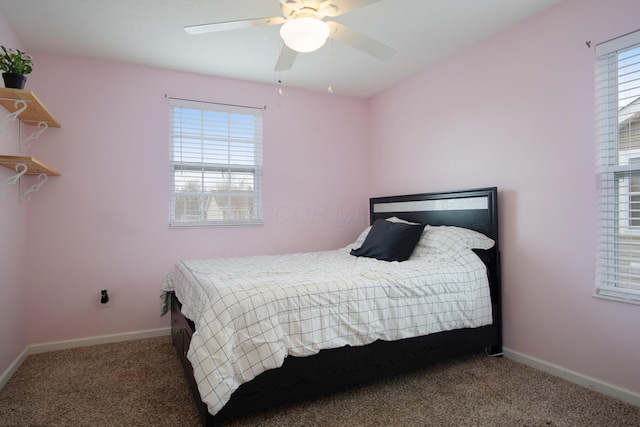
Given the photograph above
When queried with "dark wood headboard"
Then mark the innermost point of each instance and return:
(473, 209)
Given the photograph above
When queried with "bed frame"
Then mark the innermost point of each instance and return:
(335, 369)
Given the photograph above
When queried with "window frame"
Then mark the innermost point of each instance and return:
(251, 165)
(617, 271)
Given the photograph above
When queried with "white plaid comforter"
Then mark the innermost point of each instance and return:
(252, 312)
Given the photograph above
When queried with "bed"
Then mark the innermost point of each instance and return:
(279, 367)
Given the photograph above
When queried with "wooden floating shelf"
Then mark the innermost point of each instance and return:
(34, 167)
(35, 113)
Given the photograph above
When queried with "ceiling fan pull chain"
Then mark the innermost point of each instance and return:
(330, 88)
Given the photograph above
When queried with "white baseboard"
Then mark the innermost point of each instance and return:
(81, 342)
(101, 339)
(8, 373)
(625, 395)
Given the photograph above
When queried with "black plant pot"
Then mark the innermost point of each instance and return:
(14, 81)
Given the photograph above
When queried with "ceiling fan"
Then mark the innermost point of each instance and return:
(304, 28)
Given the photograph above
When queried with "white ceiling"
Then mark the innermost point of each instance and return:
(150, 32)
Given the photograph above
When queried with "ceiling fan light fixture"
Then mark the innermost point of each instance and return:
(304, 34)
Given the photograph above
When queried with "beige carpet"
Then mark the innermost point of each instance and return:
(140, 383)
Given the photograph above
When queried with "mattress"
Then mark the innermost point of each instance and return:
(250, 313)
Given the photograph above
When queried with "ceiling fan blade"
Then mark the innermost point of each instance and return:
(289, 6)
(233, 25)
(334, 8)
(359, 41)
(285, 59)
(292, 3)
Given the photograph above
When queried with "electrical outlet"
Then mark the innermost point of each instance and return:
(105, 299)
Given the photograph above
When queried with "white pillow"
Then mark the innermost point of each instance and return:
(360, 240)
(450, 240)
(396, 219)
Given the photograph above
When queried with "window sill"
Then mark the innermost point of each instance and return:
(217, 224)
(617, 299)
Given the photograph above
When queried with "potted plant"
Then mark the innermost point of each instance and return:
(15, 65)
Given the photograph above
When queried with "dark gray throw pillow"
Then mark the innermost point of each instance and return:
(390, 241)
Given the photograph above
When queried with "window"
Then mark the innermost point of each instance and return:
(618, 167)
(215, 164)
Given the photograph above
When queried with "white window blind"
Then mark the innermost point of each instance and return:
(618, 167)
(215, 164)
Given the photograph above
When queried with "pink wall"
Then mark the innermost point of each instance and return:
(13, 239)
(517, 112)
(104, 222)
